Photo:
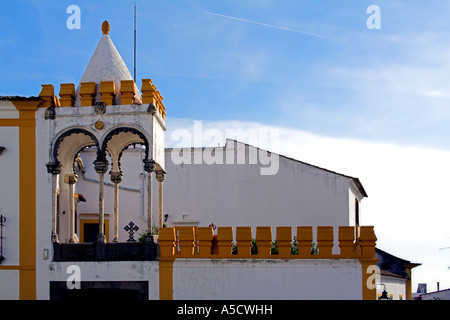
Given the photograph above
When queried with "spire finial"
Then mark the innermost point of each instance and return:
(105, 27)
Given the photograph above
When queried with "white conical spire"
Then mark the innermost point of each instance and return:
(106, 64)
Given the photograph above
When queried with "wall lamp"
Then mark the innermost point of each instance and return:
(1, 150)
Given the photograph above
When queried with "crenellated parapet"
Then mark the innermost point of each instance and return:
(152, 96)
(48, 97)
(106, 91)
(202, 242)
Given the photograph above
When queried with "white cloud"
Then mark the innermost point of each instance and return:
(437, 94)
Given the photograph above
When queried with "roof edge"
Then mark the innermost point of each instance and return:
(356, 181)
(20, 98)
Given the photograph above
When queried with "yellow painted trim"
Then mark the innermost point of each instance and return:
(166, 278)
(87, 93)
(67, 94)
(127, 91)
(408, 290)
(27, 194)
(11, 267)
(17, 123)
(151, 95)
(362, 248)
(48, 97)
(9, 122)
(205, 237)
(92, 221)
(107, 92)
(244, 241)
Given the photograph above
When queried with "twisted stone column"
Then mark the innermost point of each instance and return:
(71, 179)
(149, 167)
(116, 178)
(160, 176)
(101, 166)
(54, 169)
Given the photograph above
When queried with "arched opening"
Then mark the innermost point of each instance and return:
(64, 153)
(80, 157)
(136, 144)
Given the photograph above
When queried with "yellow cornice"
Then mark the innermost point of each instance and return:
(26, 105)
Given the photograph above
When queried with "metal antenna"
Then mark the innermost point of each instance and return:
(135, 42)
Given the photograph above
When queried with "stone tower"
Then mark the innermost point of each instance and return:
(106, 112)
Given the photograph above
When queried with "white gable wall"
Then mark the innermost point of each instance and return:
(238, 195)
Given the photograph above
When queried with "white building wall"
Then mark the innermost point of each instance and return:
(44, 247)
(203, 279)
(394, 286)
(8, 110)
(104, 271)
(9, 195)
(238, 195)
(9, 284)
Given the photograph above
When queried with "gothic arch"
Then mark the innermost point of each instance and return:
(119, 138)
(71, 141)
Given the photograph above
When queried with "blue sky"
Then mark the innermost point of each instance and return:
(384, 85)
(312, 68)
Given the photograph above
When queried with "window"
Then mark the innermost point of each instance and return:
(356, 218)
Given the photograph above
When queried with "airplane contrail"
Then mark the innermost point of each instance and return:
(269, 25)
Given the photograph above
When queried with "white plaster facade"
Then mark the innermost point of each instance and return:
(9, 199)
(232, 194)
(267, 279)
(395, 286)
(104, 271)
(9, 139)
